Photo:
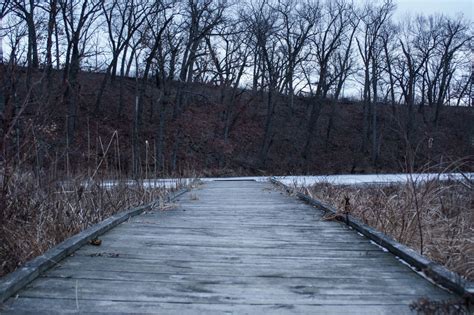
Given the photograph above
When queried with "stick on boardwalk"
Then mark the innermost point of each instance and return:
(236, 246)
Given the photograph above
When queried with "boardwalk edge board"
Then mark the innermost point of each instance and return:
(439, 274)
(13, 282)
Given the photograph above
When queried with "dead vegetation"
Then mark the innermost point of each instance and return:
(36, 217)
(425, 306)
(434, 217)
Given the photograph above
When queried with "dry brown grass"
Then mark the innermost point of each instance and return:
(435, 218)
(36, 217)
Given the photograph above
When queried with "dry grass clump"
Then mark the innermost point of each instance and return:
(434, 217)
(34, 217)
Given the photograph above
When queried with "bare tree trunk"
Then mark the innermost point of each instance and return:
(160, 134)
(2, 70)
(462, 93)
(4, 8)
(374, 113)
(255, 71)
(56, 44)
(268, 133)
(312, 126)
(53, 10)
(121, 87)
(231, 104)
(70, 97)
(103, 84)
(174, 155)
(1, 39)
(443, 86)
(33, 44)
(366, 110)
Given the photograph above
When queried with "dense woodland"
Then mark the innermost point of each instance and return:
(153, 88)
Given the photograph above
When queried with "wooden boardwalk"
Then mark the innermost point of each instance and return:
(238, 247)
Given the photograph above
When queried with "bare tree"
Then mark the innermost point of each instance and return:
(298, 20)
(26, 10)
(200, 19)
(123, 19)
(53, 10)
(388, 37)
(264, 24)
(230, 52)
(156, 26)
(328, 38)
(343, 66)
(417, 42)
(373, 17)
(10, 102)
(4, 8)
(78, 17)
(455, 34)
(462, 87)
(166, 60)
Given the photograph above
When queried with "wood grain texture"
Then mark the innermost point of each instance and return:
(240, 247)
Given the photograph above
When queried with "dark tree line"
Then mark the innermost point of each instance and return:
(274, 48)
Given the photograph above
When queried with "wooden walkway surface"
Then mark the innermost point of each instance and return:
(237, 247)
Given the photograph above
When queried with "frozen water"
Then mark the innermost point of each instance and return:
(302, 181)
(299, 181)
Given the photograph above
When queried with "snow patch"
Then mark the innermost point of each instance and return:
(381, 247)
(421, 273)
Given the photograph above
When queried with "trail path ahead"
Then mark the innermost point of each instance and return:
(229, 246)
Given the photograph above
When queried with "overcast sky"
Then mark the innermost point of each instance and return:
(448, 7)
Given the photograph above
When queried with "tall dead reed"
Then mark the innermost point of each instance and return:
(35, 218)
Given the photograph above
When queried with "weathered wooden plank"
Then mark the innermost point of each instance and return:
(241, 254)
(234, 266)
(238, 291)
(47, 306)
(212, 241)
(254, 272)
(183, 251)
(251, 272)
(400, 277)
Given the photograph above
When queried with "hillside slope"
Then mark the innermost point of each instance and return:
(193, 137)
